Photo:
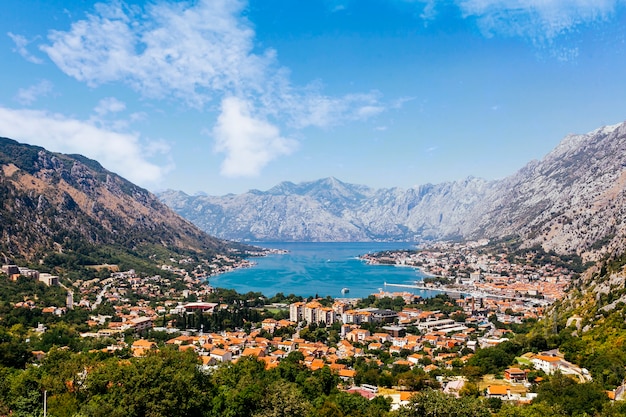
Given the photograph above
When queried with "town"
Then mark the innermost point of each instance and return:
(484, 300)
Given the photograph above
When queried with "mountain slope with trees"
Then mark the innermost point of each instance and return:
(68, 206)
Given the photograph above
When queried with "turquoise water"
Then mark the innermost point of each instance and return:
(320, 268)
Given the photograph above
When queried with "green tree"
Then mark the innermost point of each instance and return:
(574, 398)
(283, 399)
(166, 383)
(491, 360)
(533, 410)
(432, 403)
(13, 351)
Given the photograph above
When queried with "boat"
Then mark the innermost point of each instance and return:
(345, 290)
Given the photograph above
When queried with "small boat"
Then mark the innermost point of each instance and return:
(345, 290)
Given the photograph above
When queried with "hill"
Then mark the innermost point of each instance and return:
(63, 209)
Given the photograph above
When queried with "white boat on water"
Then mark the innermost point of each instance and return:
(345, 290)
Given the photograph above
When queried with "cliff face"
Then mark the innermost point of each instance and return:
(572, 201)
(52, 200)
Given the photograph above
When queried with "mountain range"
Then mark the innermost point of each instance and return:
(571, 201)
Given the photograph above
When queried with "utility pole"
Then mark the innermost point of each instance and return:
(45, 403)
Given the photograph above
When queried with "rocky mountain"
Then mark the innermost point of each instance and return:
(58, 203)
(572, 201)
(330, 210)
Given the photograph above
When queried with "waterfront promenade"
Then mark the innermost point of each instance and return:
(470, 293)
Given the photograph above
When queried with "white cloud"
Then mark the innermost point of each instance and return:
(249, 143)
(197, 52)
(21, 44)
(29, 95)
(191, 52)
(539, 20)
(318, 110)
(109, 105)
(119, 152)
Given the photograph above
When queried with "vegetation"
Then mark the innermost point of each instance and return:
(80, 379)
(170, 383)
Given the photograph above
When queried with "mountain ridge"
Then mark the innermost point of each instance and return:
(548, 201)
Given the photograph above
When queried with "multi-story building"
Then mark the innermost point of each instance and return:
(296, 312)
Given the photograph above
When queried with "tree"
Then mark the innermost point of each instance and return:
(13, 351)
(562, 391)
(242, 387)
(491, 360)
(283, 399)
(533, 410)
(432, 403)
(166, 383)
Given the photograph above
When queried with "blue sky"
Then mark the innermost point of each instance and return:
(224, 96)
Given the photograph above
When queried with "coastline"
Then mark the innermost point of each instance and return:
(370, 260)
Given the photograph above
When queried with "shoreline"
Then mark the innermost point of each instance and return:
(374, 262)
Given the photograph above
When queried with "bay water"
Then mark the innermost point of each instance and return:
(322, 269)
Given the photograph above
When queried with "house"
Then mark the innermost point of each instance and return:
(269, 325)
(515, 375)
(317, 364)
(279, 354)
(259, 352)
(357, 335)
(38, 354)
(180, 340)
(140, 324)
(143, 344)
(221, 355)
(49, 280)
(375, 346)
(347, 374)
(270, 362)
(394, 331)
(498, 391)
(548, 364)
(287, 345)
(198, 306)
(415, 358)
(454, 387)
(141, 347)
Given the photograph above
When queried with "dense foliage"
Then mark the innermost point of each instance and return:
(171, 383)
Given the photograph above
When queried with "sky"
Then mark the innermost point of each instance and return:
(224, 96)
